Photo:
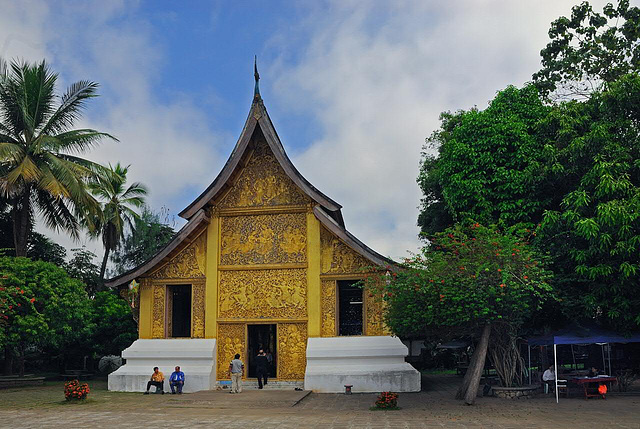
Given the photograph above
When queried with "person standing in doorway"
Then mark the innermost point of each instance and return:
(236, 369)
(262, 368)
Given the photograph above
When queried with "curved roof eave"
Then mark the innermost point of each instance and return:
(181, 236)
(258, 116)
(352, 241)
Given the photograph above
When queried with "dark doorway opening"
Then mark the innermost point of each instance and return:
(262, 337)
(349, 308)
(180, 297)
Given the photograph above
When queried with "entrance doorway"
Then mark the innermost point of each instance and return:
(180, 305)
(349, 308)
(262, 337)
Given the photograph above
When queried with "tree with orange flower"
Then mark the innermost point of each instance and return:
(469, 280)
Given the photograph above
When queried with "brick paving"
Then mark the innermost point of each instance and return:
(43, 407)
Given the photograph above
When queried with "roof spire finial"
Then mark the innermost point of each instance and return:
(256, 75)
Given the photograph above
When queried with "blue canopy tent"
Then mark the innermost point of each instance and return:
(578, 334)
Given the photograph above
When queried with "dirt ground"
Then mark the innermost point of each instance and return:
(44, 407)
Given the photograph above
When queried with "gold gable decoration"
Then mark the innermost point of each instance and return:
(292, 343)
(338, 258)
(251, 294)
(264, 239)
(328, 328)
(263, 182)
(231, 341)
(188, 264)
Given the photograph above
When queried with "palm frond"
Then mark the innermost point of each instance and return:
(75, 141)
(136, 189)
(70, 109)
(50, 183)
(56, 214)
(11, 153)
(25, 171)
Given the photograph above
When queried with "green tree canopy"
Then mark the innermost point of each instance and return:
(150, 232)
(595, 232)
(115, 329)
(466, 277)
(590, 49)
(43, 306)
(39, 167)
(487, 165)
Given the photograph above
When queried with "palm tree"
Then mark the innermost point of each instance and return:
(116, 202)
(39, 167)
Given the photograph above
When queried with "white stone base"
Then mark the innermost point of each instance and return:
(369, 364)
(195, 357)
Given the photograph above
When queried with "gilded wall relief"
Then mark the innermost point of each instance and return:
(197, 303)
(231, 341)
(338, 258)
(157, 325)
(264, 239)
(262, 182)
(273, 294)
(328, 308)
(188, 264)
(292, 346)
(373, 309)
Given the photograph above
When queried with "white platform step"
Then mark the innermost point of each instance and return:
(369, 364)
(195, 357)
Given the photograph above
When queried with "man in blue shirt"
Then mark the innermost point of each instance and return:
(177, 380)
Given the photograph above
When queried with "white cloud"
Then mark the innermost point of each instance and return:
(375, 75)
(168, 143)
(378, 74)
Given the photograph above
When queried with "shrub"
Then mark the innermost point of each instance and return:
(387, 400)
(74, 391)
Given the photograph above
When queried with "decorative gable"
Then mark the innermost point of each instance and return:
(262, 182)
(338, 258)
(188, 264)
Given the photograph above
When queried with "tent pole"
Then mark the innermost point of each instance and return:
(573, 356)
(609, 350)
(529, 367)
(555, 366)
(604, 362)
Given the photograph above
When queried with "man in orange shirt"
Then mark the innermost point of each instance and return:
(157, 379)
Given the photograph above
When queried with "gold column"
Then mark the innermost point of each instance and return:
(144, 318)
(314, 298)
(211, 273)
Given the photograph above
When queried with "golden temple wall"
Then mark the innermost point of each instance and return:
(264, 258)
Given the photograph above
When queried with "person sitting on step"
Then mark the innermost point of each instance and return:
(157, 379)
(176, 380)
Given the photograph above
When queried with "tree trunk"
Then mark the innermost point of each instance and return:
(8, 361)
(103, 267)
(21, 366)
(469, 389)
(21, 223)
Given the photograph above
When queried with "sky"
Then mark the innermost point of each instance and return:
(352, 87)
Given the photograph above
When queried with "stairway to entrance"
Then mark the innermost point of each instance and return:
(271, 385)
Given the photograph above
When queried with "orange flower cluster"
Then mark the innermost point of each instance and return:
(74, 391)
(387, 400)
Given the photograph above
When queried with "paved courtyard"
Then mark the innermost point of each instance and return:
(44, 407)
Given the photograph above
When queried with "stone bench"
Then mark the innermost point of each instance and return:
(16, 381)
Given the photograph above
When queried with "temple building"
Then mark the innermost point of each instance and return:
(264, 261)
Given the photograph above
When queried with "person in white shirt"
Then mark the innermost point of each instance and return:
(549, 377)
